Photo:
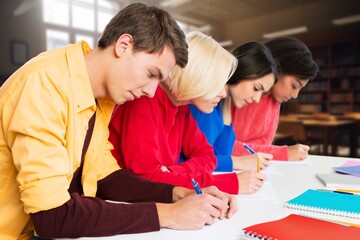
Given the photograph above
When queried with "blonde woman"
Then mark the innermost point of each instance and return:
(153, 132)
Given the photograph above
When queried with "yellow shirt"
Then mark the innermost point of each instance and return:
(45, 107)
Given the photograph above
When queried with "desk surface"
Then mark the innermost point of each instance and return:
(294, 179)
(317, 122)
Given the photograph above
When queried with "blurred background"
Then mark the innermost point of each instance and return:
(331, 29)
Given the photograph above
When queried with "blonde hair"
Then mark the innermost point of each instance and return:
(208, 69)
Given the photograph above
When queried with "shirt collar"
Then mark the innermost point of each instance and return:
(80, 82)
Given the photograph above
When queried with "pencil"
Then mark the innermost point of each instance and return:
(250, 150)
(258, 162)
(349, 191)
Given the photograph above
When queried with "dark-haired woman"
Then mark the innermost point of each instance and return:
(256, 124)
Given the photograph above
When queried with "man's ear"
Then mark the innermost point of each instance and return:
(123, 44)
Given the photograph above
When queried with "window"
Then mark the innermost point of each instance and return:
(69, 21)
(56, 39)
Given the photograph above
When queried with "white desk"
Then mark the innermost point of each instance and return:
(295, 178)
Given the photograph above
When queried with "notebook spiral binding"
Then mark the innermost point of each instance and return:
(297, 207)
(254, 235)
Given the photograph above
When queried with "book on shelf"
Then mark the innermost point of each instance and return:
(338, 180)
(327, 203)
(341, 97)
(310, 108)
(299, 227)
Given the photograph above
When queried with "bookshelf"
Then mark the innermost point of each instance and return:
(337, 88)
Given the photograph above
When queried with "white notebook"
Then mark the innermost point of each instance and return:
(337, 180)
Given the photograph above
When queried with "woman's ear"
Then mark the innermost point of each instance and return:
(122, 45)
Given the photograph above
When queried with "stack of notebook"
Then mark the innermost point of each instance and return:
(345, 178)
(351, 170)
(339, 181)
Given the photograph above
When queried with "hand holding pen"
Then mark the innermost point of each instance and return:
(230, 203)
(251, 151)
(196, 186)
(193, 211)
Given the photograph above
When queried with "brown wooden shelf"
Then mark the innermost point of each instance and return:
(337, 89)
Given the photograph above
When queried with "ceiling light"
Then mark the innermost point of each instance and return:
(173, 3)
(346, 20)
(285, 32)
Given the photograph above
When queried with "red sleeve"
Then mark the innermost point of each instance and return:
(199, 154)
(152, 134)
(227, 182)
(278, 152)
(94, 217)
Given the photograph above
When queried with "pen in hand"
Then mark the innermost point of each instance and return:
(196, 186)
(250, 150)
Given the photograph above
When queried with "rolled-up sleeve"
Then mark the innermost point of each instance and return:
(38, 129)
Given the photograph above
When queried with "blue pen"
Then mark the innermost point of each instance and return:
(249, 149)
(196, 186)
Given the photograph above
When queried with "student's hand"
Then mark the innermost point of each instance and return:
(164, 169)
(250, 181)
(298, 152)
(249, 162)
(229, 202)
(192, 212)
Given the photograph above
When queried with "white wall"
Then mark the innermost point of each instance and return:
(27, 27)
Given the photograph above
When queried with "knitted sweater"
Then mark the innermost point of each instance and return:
(220, 136)
(153, 132)
(256, 124)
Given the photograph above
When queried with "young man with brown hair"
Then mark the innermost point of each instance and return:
(56, 167)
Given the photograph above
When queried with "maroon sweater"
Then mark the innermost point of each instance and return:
(93, 217)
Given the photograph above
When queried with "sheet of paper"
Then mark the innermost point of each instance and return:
(265, 194)
(306, 161)
(271, 170)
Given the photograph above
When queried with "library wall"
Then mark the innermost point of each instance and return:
(337, 88)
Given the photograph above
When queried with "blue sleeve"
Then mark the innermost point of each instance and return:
(219, 136)
(223, 148)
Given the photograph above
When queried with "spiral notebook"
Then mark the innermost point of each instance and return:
(327, 202)
(297, 227)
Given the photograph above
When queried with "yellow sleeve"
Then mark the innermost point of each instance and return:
(38, 131)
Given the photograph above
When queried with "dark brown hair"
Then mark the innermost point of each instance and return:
(151, 28)
(293, 57)
(254, 61)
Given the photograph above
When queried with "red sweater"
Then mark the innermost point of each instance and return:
(256, 124)
(149, 133)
